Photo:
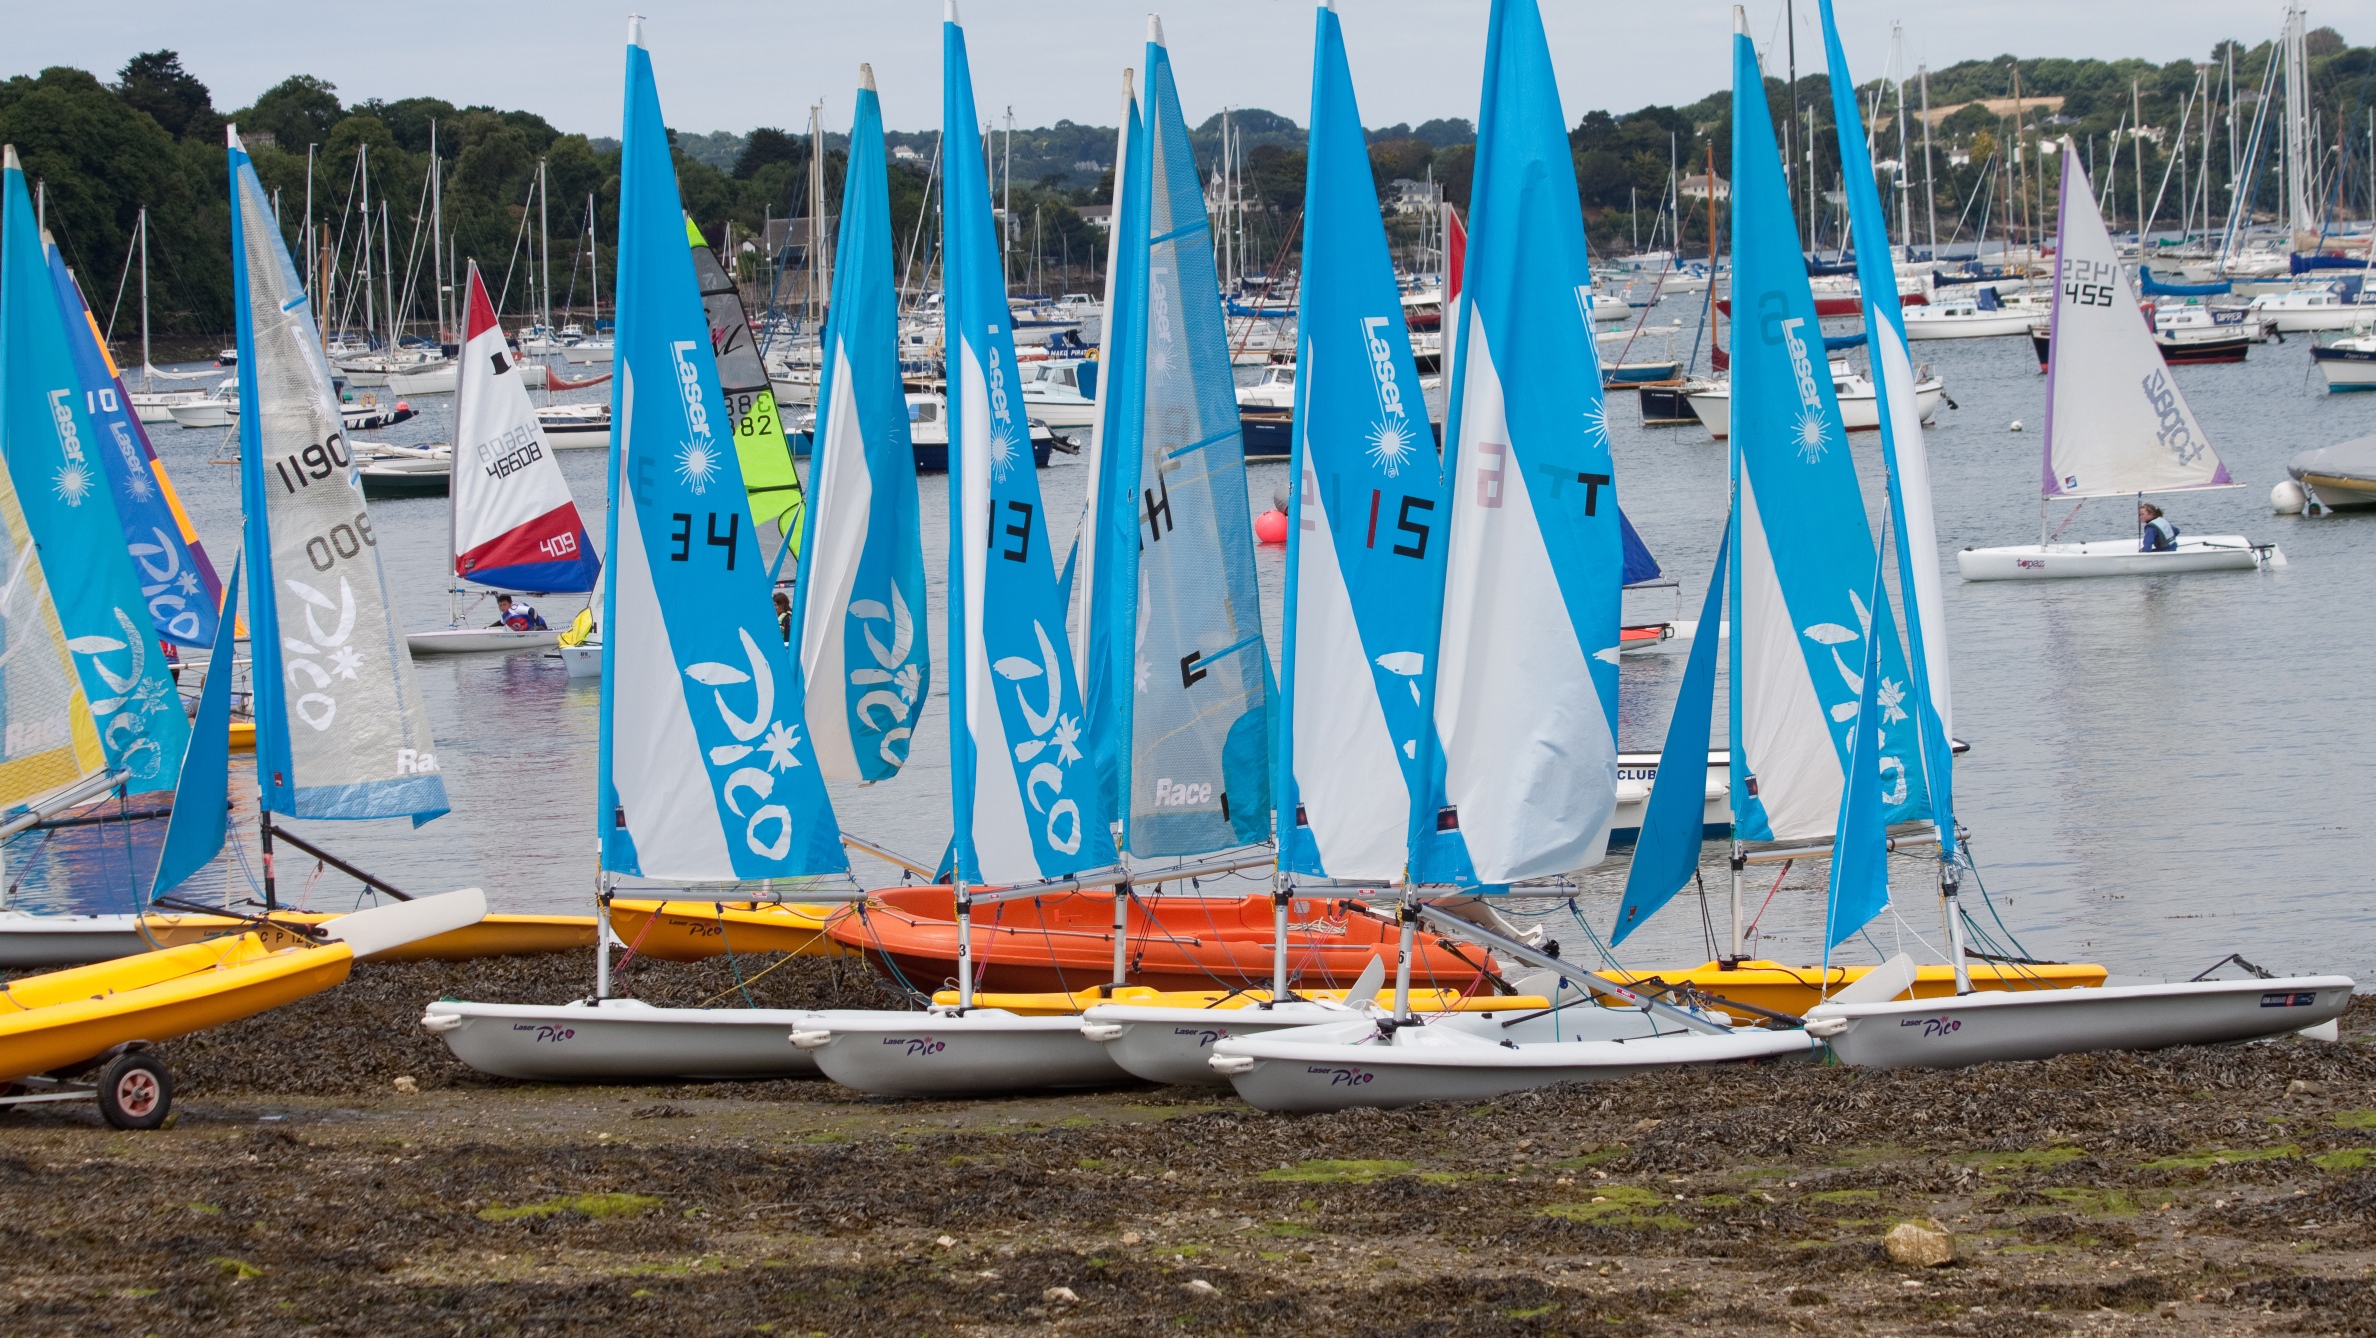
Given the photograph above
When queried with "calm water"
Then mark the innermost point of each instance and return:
(2162, 771)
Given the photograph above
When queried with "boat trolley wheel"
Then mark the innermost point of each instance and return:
(135, 1091)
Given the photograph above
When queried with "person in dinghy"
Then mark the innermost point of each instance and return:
(2156, 532)
(517, 614)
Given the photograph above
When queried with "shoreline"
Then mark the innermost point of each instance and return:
(2205, 1191)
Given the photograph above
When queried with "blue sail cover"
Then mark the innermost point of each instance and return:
(706, 774)
(1526, 680)
(1902, 450)
(176, 580)
(340, 728)
(55, 457)
(1183, 624)
(201, 817)
(1666, 856)
(1365, 557)
(865, 645)
(1025, 806)
(1802, 550)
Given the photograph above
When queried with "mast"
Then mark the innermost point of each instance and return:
(593, 267)
(1930, 198)
(388, 276)
(363, 275)
(2297, 167)
(437, 270)
(544, 246)
(144, 310)
(2137, 121)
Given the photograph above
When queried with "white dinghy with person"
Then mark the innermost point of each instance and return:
(514, 526)
(704, 776)
(2116, 423)
(1498, 696)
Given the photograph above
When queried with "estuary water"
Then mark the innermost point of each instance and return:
(2162, 771)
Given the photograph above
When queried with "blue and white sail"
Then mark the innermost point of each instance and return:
(1902, 447)
(1674, 824)
(1526, 680)
(705, 769)
(1365, 556)
(1803, 551)
(1089, 594)
(175, 577)
(1859, 888)
(54, 458)
(340, 729)
(1026, 805)
(1181, 630)
(865, 647)
(201, 818)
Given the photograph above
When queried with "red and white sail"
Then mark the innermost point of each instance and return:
(515, 525)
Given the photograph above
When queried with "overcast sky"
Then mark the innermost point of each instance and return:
(731, 66)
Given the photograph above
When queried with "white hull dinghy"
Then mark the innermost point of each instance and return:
(2115, 557)
(1466, 1058)
(1175, 1045)
(2039, 1024)
(976, 1052)
(472, 640)
(619, 1040)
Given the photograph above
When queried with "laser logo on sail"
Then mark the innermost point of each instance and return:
(697, 459)
(1814, 428)
(74, 476)
(1391, 439)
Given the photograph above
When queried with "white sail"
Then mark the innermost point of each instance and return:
(2116, 423)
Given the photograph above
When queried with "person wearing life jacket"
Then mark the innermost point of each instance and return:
(783, 612)
(517, 614)
(2156, 533)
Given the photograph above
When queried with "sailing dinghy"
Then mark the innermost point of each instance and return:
(1510, 771)
(706, 776)
(514, 526)
(2116, 423)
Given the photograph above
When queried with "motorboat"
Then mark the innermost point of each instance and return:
(214, 409)
(390, 470)
(928, 431)
(2340, 475)
(2348, 364)
(1860, 403)
(568, 426)
(2305, 309)
(1061, 392)
(1980, 317)
(1668, 403)
(439, 379)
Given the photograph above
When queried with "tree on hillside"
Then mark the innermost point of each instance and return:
(155, 82)
(767, 145)
(297, 111)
